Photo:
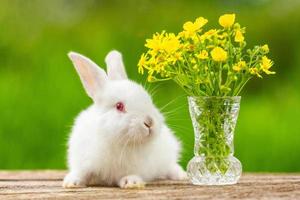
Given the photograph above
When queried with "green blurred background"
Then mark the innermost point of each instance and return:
(40, 93)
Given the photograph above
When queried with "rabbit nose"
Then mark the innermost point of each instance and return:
(148, 122)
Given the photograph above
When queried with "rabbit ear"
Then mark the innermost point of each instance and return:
(115, 66)
(91, 75)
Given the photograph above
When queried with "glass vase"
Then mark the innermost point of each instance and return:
(214, 120)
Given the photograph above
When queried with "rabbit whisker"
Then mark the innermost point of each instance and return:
(175, 109)
(180, 127)
(154, 89)
(170, 102)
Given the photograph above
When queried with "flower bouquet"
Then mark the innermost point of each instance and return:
(212, 67)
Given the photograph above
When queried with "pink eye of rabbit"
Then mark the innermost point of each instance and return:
(120, 107)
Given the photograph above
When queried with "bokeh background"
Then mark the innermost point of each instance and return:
(40, 93)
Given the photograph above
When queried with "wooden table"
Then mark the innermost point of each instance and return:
(47, 185)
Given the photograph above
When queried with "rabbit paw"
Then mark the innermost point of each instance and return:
(132, 181)
(72, 181)
(177, 173)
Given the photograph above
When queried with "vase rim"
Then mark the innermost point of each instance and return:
(215, 97)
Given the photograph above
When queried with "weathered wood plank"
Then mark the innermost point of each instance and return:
(47, 185)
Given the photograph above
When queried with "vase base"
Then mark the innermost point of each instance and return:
(199, 174)
(213, 181)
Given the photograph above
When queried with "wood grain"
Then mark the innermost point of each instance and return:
(47, 185)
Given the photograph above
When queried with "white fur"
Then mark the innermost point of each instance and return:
(109, 147)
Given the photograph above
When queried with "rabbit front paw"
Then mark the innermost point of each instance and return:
(73, 181)
(132, 181)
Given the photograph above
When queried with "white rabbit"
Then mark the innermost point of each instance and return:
(122, 139)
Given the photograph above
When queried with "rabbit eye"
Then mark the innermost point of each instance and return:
(120, 107)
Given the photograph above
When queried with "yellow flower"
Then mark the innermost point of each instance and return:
(211, 32)
(195, 39)
(201, 21)
(239, 66)
(150, 78)
(255, 71)
(155, 42)
(266, 64)
(159, 67)
(239, 36)
(202, 55)
(163, 41)
(142, 63)
(210, 46)
(208, 34)
(152, 61)
(218, 54)
(170, 43)
(223, 35)
(193, 61)
(190, 28)
(227, 20)
(175, 57)
(198, 81)
(265, 48)
(178, 56)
